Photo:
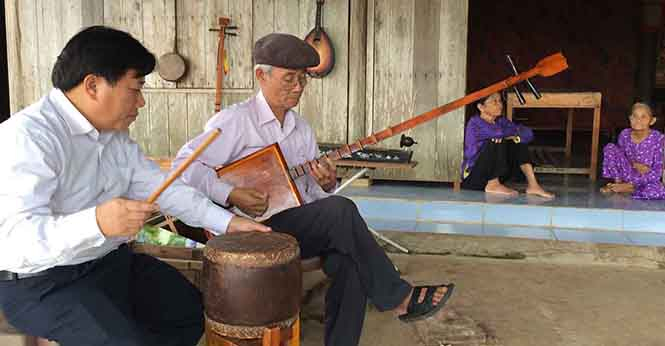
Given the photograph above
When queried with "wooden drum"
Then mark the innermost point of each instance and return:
(251, 282)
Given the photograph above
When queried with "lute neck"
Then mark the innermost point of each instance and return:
(317, 25)
(348, 149)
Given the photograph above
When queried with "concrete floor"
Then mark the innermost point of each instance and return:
(511, 302)
(515, 303)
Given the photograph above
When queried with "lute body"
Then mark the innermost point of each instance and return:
(264, 170)
(319, 39)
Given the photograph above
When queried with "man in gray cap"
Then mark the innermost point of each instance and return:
(326, 225)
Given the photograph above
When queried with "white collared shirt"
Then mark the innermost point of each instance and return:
(57, 169)
(246, 128)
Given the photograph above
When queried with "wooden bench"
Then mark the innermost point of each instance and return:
(570, 101)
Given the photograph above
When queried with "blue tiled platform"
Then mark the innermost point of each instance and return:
(579, 213)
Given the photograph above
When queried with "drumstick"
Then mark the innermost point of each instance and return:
(183, 166)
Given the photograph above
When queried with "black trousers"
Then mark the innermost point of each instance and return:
(332, 227)
(122, 299)
(497, 160)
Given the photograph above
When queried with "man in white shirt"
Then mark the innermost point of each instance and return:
(72, 190)
(328, 226)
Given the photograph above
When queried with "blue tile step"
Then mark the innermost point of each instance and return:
(543, 233)
(413, 211)
(578, 213)
(591, 225)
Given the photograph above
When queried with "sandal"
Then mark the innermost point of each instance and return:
(418, 311)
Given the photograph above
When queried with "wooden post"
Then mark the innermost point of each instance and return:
(31, 341)
(295, 336)
(569, 134)
(271, 337)
(594, 143)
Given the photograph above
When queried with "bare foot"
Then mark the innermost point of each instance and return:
(538, 191)
(623, 188)
(607, 188)
(499, 188)
(438, 295)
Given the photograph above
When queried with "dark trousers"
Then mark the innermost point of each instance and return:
(497, 160)
(358, 266)
(122, 299)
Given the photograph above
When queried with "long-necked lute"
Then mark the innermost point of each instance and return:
(266, 170)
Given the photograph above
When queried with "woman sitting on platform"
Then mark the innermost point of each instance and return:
(635, 163)
(495, 151)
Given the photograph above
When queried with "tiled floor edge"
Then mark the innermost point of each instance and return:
(553, 211)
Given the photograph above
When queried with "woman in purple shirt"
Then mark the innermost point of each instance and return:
(495, 151)
(635, 163)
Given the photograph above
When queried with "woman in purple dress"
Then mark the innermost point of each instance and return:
(495, 151)
(635, 163)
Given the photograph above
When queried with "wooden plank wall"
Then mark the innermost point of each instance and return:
(175, 112)
(451, 85)
(4, 77)
(416, 62)
(388, 64)
(36, 32)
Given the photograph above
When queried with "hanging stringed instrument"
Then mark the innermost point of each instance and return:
(318, 38)
(266, 170)
(222, 61)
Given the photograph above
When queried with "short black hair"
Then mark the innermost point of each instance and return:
(101, 51)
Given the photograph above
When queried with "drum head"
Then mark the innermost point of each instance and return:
(252, 249)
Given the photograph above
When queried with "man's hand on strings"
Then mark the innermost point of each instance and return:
(325, 174)
(252, 202)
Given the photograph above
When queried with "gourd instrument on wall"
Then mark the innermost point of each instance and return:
(171, 66)
(318, 38)
(266, 170)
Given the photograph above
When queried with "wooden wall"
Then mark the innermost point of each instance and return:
(388, 64)
(416, 61)
(4, 78)
(36, 32)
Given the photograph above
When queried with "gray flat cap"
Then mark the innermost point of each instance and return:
(286, 51)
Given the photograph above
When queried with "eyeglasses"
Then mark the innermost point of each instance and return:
(289, 82)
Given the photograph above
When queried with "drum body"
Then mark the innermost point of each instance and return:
(251, 281)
